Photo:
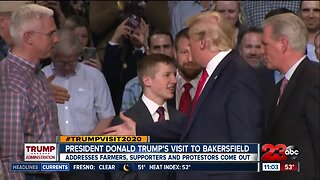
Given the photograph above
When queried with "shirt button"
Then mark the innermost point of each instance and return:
(124, 65)
(66, 107)
(67, 122)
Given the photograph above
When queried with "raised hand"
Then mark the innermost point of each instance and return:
(122, 31)
(140, 35)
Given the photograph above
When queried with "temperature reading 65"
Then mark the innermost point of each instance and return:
(186, 167)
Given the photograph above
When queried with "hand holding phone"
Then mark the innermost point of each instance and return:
(89, 53)
(133, 22)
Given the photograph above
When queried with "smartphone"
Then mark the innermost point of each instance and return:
(89, 53)
(133, 21)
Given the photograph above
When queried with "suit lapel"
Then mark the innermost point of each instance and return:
(171, 112)
(141, 112)
(207, 89)
(287, 94)
(272, 106)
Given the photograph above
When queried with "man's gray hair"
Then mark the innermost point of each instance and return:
(290, 26)
(25, 18)
(68, 43)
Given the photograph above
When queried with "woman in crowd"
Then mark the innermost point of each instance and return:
(232, 11)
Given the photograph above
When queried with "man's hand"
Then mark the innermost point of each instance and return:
(140, 35)
(127, 128)
(60, 94)
(122, 31)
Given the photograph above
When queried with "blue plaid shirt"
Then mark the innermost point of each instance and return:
(131, 94)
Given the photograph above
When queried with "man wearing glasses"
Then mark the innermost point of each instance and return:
(90, 109)
(90, 105)
(28, 112)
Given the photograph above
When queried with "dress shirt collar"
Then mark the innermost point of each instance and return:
(293, 68)
(152, 106)
(214, 62)
(69, 75)
(23, 62)
(139, 49)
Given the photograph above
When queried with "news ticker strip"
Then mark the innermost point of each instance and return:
(61, 167)
(103, 139)
(159, 148)
(283, 166)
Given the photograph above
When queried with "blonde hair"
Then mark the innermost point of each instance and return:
(241, 17)
(25, 18)
(290, 26)
(212, 26)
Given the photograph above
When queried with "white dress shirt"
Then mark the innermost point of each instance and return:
(152, 107)
(214, 62)
(90, 99)
(293, 68)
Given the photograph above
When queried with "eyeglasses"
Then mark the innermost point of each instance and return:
(49, 35)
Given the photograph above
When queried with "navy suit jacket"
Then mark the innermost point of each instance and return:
(229, 110)
(267, 83)
(296, 121)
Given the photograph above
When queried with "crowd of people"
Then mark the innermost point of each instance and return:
(177, 71)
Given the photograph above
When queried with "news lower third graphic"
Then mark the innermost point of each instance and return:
(103, 139)
(279, 152)
(40, 152)
(280, 157)
(136, 153)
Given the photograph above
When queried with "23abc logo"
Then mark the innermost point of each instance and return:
(279, 152)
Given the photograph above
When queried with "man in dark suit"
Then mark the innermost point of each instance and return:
(293, 113)
(156, 73)
(229, 108)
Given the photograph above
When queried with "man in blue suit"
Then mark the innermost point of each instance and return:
(227, 107)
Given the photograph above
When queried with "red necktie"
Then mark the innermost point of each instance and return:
(185, 100)
(282, 87)
(160, 111)
(202, 80)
